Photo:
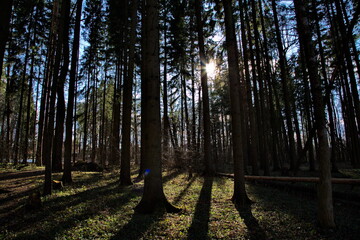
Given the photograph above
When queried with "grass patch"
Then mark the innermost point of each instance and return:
(352, 173)
(11, 168)
(96, 207)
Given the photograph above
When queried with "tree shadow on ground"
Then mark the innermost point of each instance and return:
(16, 175)
(303, 208)
(255, 232)
(138, 225)
(183, 192)
(199, 227)
(16, 196)
(94, 201)
(170, 176)
(54, 207)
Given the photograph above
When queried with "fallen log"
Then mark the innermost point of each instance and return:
(348, 181)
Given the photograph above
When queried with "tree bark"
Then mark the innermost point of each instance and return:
(240, 197)
(153, 197)
(5, 17)
(253, 133)
(61, 51)
(28, 104)
(19, 120)
(288, 98)
(209, 166)
(325, 204)
(125, 178)
(67, 178)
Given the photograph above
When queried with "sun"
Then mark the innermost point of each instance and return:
(211, 69)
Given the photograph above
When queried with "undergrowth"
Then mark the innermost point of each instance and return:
(96, 207)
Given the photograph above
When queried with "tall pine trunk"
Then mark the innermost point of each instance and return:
(67, 178)
(209, 166)
(325, 204)
(286, 90)
(153, 196)
(239, 197)
(125, 178)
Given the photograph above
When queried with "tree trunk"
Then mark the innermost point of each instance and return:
(166, 122)
(28, 105)
(153, 197)
(86, 110)
(60, 109)
(94, 114)
(288, 98)
(19, 120)
(239, 197)
(67, 178)
(61, 52)
(209, 166)
(5, 17)
(253, 133)
(125, 178)
(325, 204)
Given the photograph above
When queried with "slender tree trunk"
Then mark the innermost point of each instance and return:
(62, 51)
(143, 100)
(102, 145)
(325, 204)
(67, 178)
(50, 112)
(308, 113)
(239, 197)
(349, 109)
(253, 133)
(125, 178)
(345, 44)
(19, 120)
(60, 109)
(86, 110)
(258, 81)
(327, 99)
(43, 108)
(166, 123)
(28, 105)
(193, 131)
(209, 166)
(286, 89)
(256, 111)
(269, 111)
(94, 115)
(186, 113)
(75, 119)
(59, 129)
(136, 150)
(8, 99)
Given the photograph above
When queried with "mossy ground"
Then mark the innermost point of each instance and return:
(96, 207)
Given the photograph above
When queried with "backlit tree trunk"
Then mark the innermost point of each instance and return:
(325, 204)
(127, 102)
(153, 196)
(67, 178)
(240, 197)
(209, 166)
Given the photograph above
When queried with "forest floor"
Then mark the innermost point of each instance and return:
(96, 207)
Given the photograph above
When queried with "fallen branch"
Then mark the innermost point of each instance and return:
(295, 179)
